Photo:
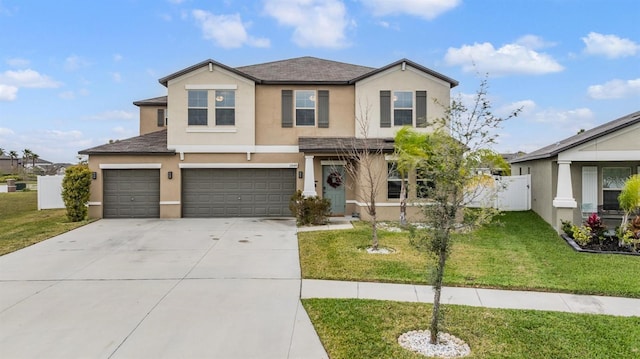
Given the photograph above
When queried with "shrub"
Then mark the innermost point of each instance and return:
(75, 191)
(309, 210)
(582, 235)
(5, 178)
(567, 228)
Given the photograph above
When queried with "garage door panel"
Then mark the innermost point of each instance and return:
(131, 193)
(237, 192)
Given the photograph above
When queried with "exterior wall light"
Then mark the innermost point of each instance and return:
(169, 175)
(94, 175)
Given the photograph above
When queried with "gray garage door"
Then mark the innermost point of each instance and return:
(131, 193)
(246, 192)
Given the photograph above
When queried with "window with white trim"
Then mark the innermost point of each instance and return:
(198, 108)
(613, 179)
(394, 181)
(403, 108)
(225, 107)
(305, 107)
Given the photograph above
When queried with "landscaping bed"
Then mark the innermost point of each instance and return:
(593, 236)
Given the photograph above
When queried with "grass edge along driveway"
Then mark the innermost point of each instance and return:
(22, 224)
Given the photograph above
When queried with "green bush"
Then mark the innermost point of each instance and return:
(582, 235)
(5, 178)
(75, 191)
(309, 210)
(567, 228)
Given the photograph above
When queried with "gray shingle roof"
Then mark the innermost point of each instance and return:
(305, 70)
(576, 140)
(154, 143)
(155, 101)
(341, 144)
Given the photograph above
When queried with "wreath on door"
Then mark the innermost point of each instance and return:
(334, 179)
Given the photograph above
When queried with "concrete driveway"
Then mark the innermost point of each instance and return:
(187, 288)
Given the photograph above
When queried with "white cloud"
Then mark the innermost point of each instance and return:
(615, 89)
(610, 46)
(114, 115)
(8, 93)
(316, 23)
(427, 9)
(74, 62)
(67, 95)
(177, 2)
(27, 78)
(117, 57)
(227, 31)
(534, 42)
(580, 117)
(6, 132)
(526, 106)
(18, 62)
(509, 59)
(116, 77)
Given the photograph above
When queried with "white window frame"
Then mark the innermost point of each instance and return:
(215, 113)
(620, 185)
(189, 107)
(313, 97)
(394, 99)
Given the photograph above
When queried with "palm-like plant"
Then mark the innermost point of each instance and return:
(13, 155)
(26, 156)
(34, 157)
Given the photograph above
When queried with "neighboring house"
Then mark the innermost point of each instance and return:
(583, 174)
(41, 167)
(240, 141)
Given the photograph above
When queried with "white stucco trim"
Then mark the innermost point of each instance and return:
(238, 165)
(333, 163)
(211, 87)
(169, 202)
(129, 166)
(211, 130)
(94, 203)
(232, 149)
(577, 155)
(309, 189)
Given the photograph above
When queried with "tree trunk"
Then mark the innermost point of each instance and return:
(374, 227)
(403, 204)
(437, 289)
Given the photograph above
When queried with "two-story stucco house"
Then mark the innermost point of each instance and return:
(239, 141)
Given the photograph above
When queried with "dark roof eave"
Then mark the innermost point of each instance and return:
(93, 153)
(165, 80)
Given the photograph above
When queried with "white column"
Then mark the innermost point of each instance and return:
(309, 178)
(564, 196)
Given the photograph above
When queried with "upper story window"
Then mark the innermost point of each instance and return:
(225, 107)
(305, 108)
(402, 108)
(198, 107)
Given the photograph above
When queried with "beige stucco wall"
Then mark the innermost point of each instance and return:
(243, 133)
(169, 189)
(623, 140)
(149, 119)
(395, 79)
(269, 129)
(543, 185)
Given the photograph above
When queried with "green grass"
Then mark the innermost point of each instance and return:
(21, 224)
(523, 253)
(352, 328)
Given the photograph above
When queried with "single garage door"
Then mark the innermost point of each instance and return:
(242, 192)
(131, 193)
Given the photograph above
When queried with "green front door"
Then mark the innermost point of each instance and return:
(333, 187)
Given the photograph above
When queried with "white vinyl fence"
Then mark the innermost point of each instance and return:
(50, 192)
(508, 193)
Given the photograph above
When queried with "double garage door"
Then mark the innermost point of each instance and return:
(241, 192)
(260, 192)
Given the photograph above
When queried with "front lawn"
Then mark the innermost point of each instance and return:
(523, 252)
(21, 224)
(355, 328)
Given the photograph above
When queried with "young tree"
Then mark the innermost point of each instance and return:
(450, 162)
(365, 166)
(409, 149)
(629, 200)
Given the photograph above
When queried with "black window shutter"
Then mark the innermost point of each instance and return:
(421, 108)
(385, 108)
(287, 108)
(160, 117)
(323, 108)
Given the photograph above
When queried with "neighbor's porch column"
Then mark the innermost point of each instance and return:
(564, 203)
(309, 178)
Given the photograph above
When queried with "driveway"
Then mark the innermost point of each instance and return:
(188, 288)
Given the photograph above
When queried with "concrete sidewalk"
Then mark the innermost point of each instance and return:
(477, 297)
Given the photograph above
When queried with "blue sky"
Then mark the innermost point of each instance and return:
(70, 70)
